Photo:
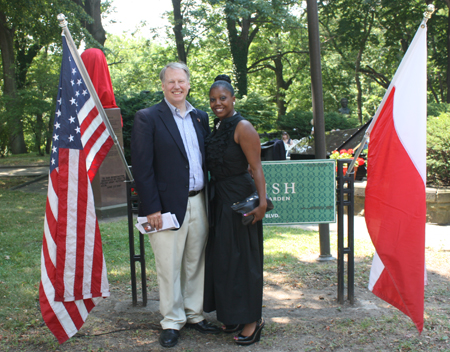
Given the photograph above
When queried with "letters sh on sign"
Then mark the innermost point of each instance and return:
(302, 191)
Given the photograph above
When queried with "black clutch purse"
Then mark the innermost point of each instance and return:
(247, 205)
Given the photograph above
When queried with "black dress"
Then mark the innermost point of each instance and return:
(234, 253)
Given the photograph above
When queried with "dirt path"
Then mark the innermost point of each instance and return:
(300, 314)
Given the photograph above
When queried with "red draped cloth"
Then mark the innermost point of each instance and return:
(95, 62)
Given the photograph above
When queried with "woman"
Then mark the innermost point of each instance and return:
(234, 253)
(286, 139)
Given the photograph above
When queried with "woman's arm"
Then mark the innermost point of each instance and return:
(247, 137)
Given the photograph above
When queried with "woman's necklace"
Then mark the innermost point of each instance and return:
(218, 123)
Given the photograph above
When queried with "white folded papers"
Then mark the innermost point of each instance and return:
(169, 222)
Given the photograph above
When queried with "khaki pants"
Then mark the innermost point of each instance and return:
(180, 266)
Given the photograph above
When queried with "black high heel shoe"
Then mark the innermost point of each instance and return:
(255, 337)
(232, 328)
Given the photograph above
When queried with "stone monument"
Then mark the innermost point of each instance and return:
(110, 190)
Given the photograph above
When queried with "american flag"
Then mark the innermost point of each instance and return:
(73, 270)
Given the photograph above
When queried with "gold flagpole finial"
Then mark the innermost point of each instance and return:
(427, 14)
(62, 20)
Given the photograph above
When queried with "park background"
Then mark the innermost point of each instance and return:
(263, 46)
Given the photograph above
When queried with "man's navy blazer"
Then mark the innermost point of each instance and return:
(159, 159)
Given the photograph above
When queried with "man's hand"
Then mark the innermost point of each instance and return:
(155, 220)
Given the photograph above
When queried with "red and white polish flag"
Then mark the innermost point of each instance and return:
(395, 200)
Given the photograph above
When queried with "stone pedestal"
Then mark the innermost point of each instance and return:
(438, 203)
(110, 190)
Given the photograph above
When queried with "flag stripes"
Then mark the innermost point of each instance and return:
(395, 195)
(73, 269)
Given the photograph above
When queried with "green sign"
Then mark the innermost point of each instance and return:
(302, 191)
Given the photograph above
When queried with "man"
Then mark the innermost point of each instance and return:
(168, 157)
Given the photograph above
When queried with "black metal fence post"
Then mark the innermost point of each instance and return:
(133, 205)
(345, 198)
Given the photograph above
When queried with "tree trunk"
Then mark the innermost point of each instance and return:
(24, 58)
(15, 127)
(48, 143)
(178, 30)
(358, 85)
(239, 52)
(448, 54)
(282, 86)
(92, 8)
(38, 133)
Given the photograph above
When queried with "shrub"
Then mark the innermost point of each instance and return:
(438, 149)
(298, 123)
(436, 109)
(128, 107)
(258, 110)
(335, 120)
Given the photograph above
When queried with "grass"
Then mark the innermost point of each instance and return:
(22, 221)
(24, 159)
(9, 182)
(290, 262)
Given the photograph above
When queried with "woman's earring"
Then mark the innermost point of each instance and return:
(233, 103)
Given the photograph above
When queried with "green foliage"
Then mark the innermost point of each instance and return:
(129, 105)
(298, 123)
(258, 110)
(34, 103)
(335, 120)
(438, 149)
(135, 63)
(436, 109)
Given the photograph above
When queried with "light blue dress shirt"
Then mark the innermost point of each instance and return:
(190, 142)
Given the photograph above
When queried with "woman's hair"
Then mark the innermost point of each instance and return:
(223, 81)
(174, 66)
(284, 133)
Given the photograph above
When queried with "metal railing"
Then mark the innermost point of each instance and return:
(345, 189)
(133, 207)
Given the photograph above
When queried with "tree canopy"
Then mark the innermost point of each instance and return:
(261, 44)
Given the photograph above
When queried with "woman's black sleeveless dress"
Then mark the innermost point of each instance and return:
(234, 253)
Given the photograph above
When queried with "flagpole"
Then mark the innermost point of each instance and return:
(426, 16)
(87, 80)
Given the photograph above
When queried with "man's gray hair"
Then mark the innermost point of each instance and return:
(174, 66)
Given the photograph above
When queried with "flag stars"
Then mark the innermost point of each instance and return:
(73, 101)
(72, 82)
(72, 119)
(59, 101)
(74, 70)
(77, 93)
(57, 125)
(79, 82)
(77, 130)
(54, 149)
(58, 113)
(56, 137)
(70, 138)
(84, 92)
(53, 161)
